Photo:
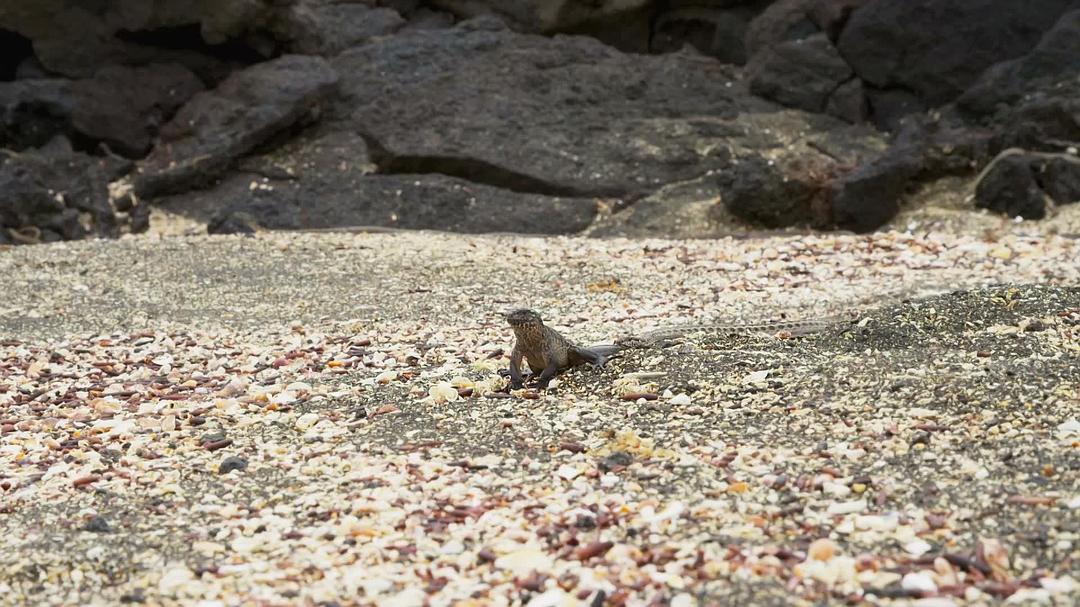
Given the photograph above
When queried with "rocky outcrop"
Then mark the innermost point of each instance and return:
(32, 112)
(247, 109)
(567, 117)
(122, 107)
(794, 60)
(932, 50)
(313, 113)
(1057, 53)
(326, 180)
(54, 193)
(804, 74)
(624, 24)
(76, 39)
(717, 31)
(1026, 184)
(327, 29)
(125, 106)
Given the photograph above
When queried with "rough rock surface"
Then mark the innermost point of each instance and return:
(32, 112)
(555, 126)
(869, 196)
(937, 48)
(125, 106)
(803, 73)
(1024, 184)
(324, 181)
(218, 126)
(327, 29)
(761, 191)
(567, 116)
(76, 39)
(790, 20)
(54, 193)
(1059, 176)
(1057, 53)
(717, 31)
(546, 15)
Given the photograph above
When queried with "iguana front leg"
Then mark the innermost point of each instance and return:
(516, 382)
(549, 371)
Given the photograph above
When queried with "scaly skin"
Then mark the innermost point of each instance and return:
(546, 351)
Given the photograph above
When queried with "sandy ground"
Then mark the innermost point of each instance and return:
(317, 419)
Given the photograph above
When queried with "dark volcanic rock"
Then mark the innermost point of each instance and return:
(1057, 54)
(789, 20)
(715, 31)
(1022, 183)
(434, 202)
(1008, 186)
(773, 194)
(32, 112)
(795, 62)
(776, 186)
(1047, 118)
(550, 16)
(1060, 178)
(848, 102)
(869, 196)
(121, 106)
(54, 194)
(328, 29)
(937, 48)
(231, 463)
(124, 106)
(565, 116)
(76, 38)
(889, 107)
(801, 73)
(325, 181)
(783, 165)
(866, 197)
(245, 110)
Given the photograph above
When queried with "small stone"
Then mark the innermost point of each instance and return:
(568, 472)
(847, 507)
(917, 547)
(525, 561)
(138, 595)
(619, 459)
(306, 421)
(1035, 326)
(934, 601)
(97, 524)
(233, 462)
(821, 549)
(680, 399)
(212, 437)
(918, 581)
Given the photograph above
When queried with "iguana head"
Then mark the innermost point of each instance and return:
(523, 318)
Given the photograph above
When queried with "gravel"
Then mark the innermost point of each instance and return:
(318, 418)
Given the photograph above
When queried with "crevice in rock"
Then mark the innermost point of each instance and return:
(189, 38)
(836, 28)
(474, 170)
(825, 104)
(14, 49)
